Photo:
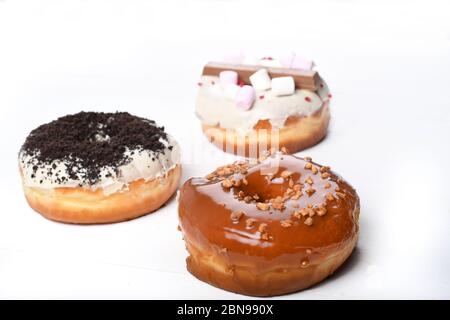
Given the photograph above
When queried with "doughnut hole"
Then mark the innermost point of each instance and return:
(267, 186)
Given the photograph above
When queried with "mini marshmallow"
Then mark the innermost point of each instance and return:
(283, 86)
(245, 97)
(302, 63)
(260, 80)
(286, 61)
(228, 77)
(230, 91)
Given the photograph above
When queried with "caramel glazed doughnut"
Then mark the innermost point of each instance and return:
(274, 227)
(270, 113)
(99, 168)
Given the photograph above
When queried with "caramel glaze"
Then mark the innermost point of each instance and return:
(286, 240)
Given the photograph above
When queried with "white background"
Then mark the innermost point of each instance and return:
(387, 64)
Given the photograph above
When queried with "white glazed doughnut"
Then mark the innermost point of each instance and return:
(277, 113)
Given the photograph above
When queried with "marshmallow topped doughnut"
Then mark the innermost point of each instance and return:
(99, 168)
(274, 227)
(249, 109)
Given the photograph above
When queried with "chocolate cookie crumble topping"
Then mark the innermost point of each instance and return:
(88, 141)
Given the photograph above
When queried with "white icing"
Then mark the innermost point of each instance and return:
(213, 108)
(323, 91)
(141, 166)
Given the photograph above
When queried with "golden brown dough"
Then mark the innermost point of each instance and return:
(84, 206)
(298, 134)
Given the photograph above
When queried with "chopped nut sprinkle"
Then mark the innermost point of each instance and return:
(278, 206)
(278, 199)
(286, 223)
(289, 192)
(286, 174)
(309, 181)
(211, 176)
(308, 166)
(223, 250)
(303, 212)
(324, 169)
(325, 175)
(297, 187)
(265, 236)
(227, 183)
(262, 206)
(291, 183)
(244, 181)
(314, 169)
(321, 211)
(308, 159)
(222, 172)
(237, 215)
(296, 214)
(310, 212)
(309, 221)
(262, 227)
(249, 223)
(308, 251)
(248, 199)
(228, 171)
(297, 195)
(327, 186)
(310, 191)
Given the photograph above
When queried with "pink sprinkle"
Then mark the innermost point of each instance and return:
(308, 99)
(261, 97)
(199, 84)
(330, 95)
(321, 85)
(241, 83)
